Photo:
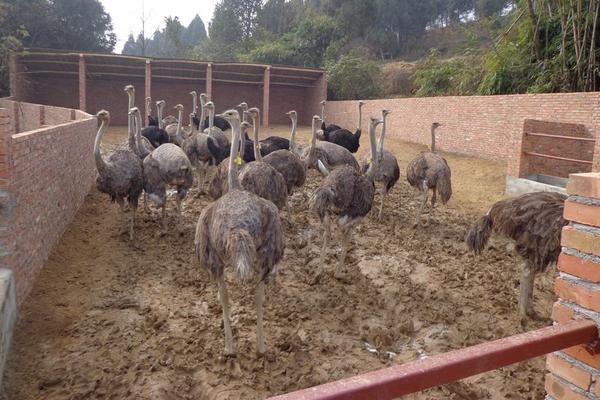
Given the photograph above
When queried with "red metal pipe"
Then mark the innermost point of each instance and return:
(449, 367)
(530, 153)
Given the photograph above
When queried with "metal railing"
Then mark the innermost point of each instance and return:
(449, 367)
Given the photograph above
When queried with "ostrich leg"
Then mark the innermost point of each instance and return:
(224, 300)
(526, 288)
(164, 217)
(179, 208)
(132, 220)
(326, 234)
(260, 336)
(121, 203)
(433, 199)
(424, 190)
(346, 234)
(383, 194)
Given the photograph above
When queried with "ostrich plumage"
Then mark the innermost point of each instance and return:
(143, 145)
(243, 231)
(327, 128)
(120, 174)
(344, 137)
(430, 171)
(331, 155)
(167, 166)
(213, 131)
(218, 121)
(534, 221)
(151, 120)
(345, 196)
(292, 167)
(156, 134)
(385, 167)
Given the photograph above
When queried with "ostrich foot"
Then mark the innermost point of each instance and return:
(233, 365)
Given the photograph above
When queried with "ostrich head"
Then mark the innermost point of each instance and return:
(210, 106)
(361, 103)
(436, 125)
(243, 105)
(193, 93)
(385, 113)
(322, 102)
(230, 116)
(178, 107)
(203, 97)
(246, 125)
(160, 103)
(134, 111)
(254, 111)
(129, 89)
(103, 116)
(292, 114)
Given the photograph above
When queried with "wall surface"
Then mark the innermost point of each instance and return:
(45, 174)
(484, 126)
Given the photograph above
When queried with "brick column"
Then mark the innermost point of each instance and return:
(147, 86)
(82, 87)
(209, 81)
(575, 372)
(13, 77)
(266, 97)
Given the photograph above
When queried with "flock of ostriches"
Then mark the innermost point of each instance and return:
(251, 180)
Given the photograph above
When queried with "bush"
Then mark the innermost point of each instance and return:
(353, 78)
(456, 76)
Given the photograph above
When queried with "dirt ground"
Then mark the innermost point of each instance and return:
(111, 319)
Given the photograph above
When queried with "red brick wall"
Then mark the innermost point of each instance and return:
(45, 175)
(574, 371)
(484, 126)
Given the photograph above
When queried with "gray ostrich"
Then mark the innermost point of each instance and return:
(244, 231)
(385, 166)
(120, 174)
(345, 196)
(166, 166)
(261, 178)
(292, 167)
(195, 146)
(430, 171)
(212, 130)
(534, 221)
(143, 145)
(331, 156)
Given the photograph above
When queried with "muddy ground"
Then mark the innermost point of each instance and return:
(111, 319)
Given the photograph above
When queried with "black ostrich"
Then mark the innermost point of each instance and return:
(219, 121)
(330, 127)
(344, 137)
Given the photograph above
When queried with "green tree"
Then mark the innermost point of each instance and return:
(353, 78)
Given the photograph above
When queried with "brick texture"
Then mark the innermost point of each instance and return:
(47, 172)
(574, 371)
(484, 126)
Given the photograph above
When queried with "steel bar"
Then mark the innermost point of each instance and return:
(581, 139)
(530, 153)
(449, 367)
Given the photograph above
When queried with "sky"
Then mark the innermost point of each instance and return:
(127, 15)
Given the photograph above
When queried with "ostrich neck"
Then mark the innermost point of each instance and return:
(308, 160)
(232, 176)
(178, 131)
(138, 132)
(202, 116)
(371, 170)
(194, 103)
(433, 139)
(159, 114)
(293, 136)
(256, 122)
(382, 137)
(131, 133)
(148, 107)
(100, 164)
(211, 118)
(323, 113)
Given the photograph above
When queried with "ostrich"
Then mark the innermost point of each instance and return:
(120, 174)
(385, 166)
(331, 127)
(331, 156)
(167, 165)
(156, 134)
(130, 90)
(242, 230)
(214, 131)
(151, 120)
(534, 221)
(345, 196)
(344, 137)
(272, 143)
(261, 178)
(177, 136)
(430, 171)
(143, 145)
(287, 162)
(218, 121)
(195, 146)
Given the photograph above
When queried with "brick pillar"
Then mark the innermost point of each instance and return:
(575, 372)
(147, 86)
(13, 77)
(82, 87)
(266, 97)
(209, 81)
